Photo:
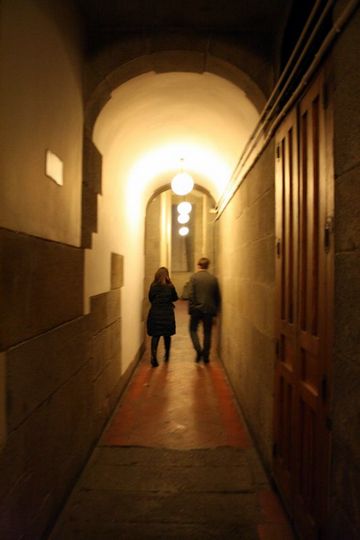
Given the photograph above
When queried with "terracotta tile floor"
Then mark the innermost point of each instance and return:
(178, 406)
(185, 405)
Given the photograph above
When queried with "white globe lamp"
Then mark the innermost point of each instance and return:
(182, 183)
(183, 231)
(183, 218)
(184, 207)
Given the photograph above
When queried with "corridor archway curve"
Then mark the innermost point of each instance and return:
(101, 83)
(165, 246)
(218, 111)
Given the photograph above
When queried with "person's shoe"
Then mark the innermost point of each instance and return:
(198, 356)
(206, 360)
(154, 362)
(166, 357)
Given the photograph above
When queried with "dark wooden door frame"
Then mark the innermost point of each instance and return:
(304, 308)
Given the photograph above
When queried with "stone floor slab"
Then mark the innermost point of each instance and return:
(175, 462)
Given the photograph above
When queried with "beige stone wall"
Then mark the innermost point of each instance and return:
(64, 375)
(247, 279)
(245, 266)
(60, 372)
(345, 471)
(41, 109)
(41, 286)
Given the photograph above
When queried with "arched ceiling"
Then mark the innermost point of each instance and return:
(158, 117)
(154, 120)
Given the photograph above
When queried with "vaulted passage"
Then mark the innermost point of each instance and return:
(102, 105)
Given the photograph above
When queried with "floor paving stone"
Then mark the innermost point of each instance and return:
(175, 462)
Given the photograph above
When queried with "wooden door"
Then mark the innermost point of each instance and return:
(304, 310)
(287, 237)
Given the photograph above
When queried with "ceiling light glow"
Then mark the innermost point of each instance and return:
(183, 231)
(182, 183)
(183, 218)
(184, 207)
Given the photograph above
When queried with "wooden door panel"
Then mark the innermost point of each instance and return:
(307, 457)
(283, 456)
(286, 265)
(302, 285)
(312, 315)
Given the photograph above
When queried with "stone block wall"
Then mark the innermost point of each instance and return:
(34, 286)
(246, 268)
(60, 376)
(345, 468)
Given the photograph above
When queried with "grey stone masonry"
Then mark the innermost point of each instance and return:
(138, 493)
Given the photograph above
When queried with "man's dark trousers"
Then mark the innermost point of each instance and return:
(207, 320)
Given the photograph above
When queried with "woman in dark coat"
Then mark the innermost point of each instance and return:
(161, 318)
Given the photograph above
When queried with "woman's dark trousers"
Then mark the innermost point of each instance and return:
(154, 345)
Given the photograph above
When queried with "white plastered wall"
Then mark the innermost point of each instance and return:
(41, 108)
(120, 230)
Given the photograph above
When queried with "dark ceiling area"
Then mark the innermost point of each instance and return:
(105, 20)
(267, 28)
(202, 14)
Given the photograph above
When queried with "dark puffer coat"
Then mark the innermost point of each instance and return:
(161, 318)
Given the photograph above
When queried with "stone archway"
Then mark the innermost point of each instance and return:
(121, 78)
(101, 83)
(122, 66)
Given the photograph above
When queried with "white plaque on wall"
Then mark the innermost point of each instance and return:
(54, 167)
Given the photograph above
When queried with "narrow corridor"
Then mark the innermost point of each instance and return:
(105, 106)
(175, 461)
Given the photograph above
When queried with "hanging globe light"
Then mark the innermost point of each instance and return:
(182, 183)
(183, 231)
(183, 218)
(184, 207)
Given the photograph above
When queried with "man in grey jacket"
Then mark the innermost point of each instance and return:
(204, 303)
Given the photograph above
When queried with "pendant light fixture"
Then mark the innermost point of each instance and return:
(183, 218)
(183, 231)
(182, 183)
(184, 207)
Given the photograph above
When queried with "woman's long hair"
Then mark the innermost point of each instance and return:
(162, 276)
